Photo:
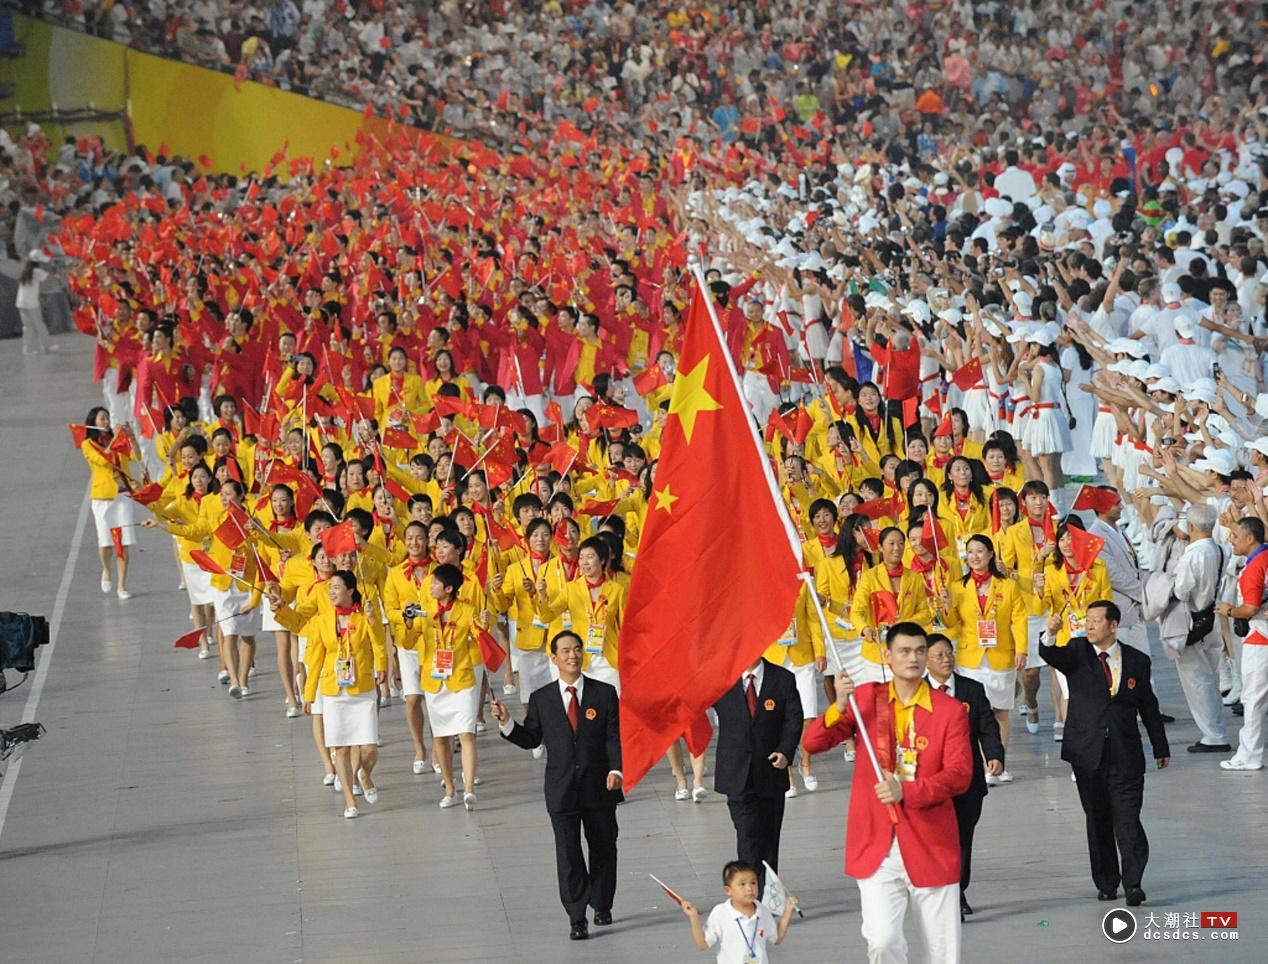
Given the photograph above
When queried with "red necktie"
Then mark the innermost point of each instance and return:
(572, 708)
(750, 693)
(1109, 673)
(942, 687)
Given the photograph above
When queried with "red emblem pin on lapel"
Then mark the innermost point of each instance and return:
(922, 742)
(769, 704)
(591, 713)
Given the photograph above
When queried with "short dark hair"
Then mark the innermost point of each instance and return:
(734, 868)
(905, 629)
(1253, 527)
(933, 639)
(554, 643)
(1112, 612)
(449, 576)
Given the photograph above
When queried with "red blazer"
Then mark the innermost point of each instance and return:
(927, 833)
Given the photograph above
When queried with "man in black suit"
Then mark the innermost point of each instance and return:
(578, 720)
(1109, 686)
(987, 745)
(759, 728)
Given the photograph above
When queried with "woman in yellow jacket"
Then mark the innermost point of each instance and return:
(451, 667)
(397, 393)
(800, 651)
(408, 586)
(965, 507)
(836, 575)
(905, 587)
(111, 507)
(514, 593)
(346, 660)
(596, 607)
(985, 613)
(237, 587)
(197, 500)
(279, 516)
(878, 434)
(1065, 591)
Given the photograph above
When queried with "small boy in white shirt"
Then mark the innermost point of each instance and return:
(741, 927)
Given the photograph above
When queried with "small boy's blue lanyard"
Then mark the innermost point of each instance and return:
(750, 944)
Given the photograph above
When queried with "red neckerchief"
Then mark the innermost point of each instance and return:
(957, 447)
(595, 585)
(940, 461)
(383, 521)
(919, 565)
(410, 567)
(197, 497)
(1036, 526)
(996, 477)
(347, 611)
(873, 419)
(963, 503)
(538, 557)
(282, 525)
(570, 566)
(827, 541)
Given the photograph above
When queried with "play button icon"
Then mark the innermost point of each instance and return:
(1119, 925)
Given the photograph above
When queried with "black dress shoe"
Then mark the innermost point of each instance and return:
(1201, 747)
(1166, 718)
(964, 905)
(1107, 894)
(1135, 896)
(580, 931)
(602, 918)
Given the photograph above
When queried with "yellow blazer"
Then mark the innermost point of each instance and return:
(805, 641)
(833, 582)
(311, 601)
(556, 584)
(399, 590)
(875, 450)
(521, 609)
(240, 562)
(1017, 551)
(1006, 605)
(387, 400)
(1093, 585)
(458, 634)
(364, 642)
(575, 600)
(913, 603)
(105, 475)
(977, 520)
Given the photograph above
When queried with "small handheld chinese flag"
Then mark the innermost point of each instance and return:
(190, 640)
(148, 494)
(1093, 498)
(884, 608)
(339, 539)
(205, 562)
(491, 653)
(1084, 549)
(968, 376)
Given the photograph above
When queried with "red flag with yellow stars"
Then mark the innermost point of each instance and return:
(712, 588)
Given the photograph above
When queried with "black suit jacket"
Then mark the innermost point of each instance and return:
(577, 764)
(1097, 723)
(745, 742)
(984, 734)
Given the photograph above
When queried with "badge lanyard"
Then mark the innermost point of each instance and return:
(598, 624)
(345, 667)
(750, 944)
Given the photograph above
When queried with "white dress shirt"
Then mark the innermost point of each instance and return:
(579, 685)
(949, 684)
(1115, 663)
(758, 674)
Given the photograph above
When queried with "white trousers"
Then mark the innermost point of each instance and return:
(1250, 743)
(761, 399)
(1199, 669)
(885, 898)
(118, 404)
(34, 331)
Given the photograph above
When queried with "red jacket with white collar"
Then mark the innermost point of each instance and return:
(927, 833)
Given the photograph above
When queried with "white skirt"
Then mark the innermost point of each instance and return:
(350, 720)
(1048, 433)
(1036, 626)
(411, 682)
(110, 514)
(1104, 429)
(998, 683)
(268, 622)
(230, 604)
(198, 585)
(601, 669)
(534, 667)
(981, 410)
(453, 714)
(806, 689)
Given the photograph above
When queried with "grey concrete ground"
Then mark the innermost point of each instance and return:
(160, 820)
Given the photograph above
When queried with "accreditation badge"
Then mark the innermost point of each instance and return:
(594, 640)
(907, 762)
(442, 665)
(238, 564)
(345, 671)
(790, 634)
(1075, 624)
(987, 633)
(845, 626)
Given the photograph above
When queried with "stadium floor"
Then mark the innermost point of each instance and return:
(158, 819)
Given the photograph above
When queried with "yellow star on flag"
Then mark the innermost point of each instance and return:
(690, 397)
(665, 500)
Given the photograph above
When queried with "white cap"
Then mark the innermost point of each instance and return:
(1185, 324)
(1261, 405)
(1127, 346)
(997, 207)
(1219, 461)
(1166, 384)
(1118, 367)
(1023, 301)
(940, 179)
(951, 315)
(1157, 371)
(1041, 336)
(1201, 393)
(1140, 369)
(1260, 445)
(1021, 332)
(1171, 293)
(1102, 208)
(918, 309)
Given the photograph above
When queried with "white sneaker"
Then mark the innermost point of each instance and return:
(539, 752)
(223, 676)
(1235, 694)
(124, 595)
(244, 692)
(790, 793)
(350, 813)
(205, 654)
(329, 780)
(394, 692)
(476, 781)
(682, 793)
(435, 768)
(849, 755)
(1005, 777)
(1226, 674)
(1237, 763)
(372, 795)
(356, 790)
(385, 701)
(1058, 732)
(337, 783)
(992, 780)
(698, 794)
(481, 726)
(447, 801)
(811, 781)
(235, 692)
(106, 584)
(293, 711)
(420, 767)
(469, 801)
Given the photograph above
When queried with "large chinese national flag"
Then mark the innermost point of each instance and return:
(718, 561)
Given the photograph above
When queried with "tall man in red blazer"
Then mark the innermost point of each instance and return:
(902, 844)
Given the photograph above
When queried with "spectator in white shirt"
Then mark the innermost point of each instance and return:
(1197, 586)
(34, 331)
(1188, 361)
